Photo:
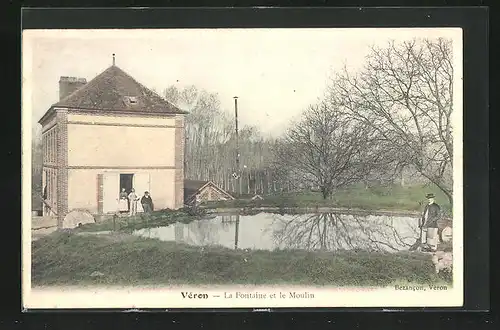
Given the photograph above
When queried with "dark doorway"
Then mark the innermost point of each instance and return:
(126, 182)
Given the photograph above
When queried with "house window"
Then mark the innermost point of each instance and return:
(45, 148)
(132, 99)
(53, 189)
(47, 141)
(49, 185)
(49, 146)
(44, 144)
(52, 146)
(52, 186)
(55, 146)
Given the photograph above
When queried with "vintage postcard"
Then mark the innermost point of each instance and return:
(259, 168)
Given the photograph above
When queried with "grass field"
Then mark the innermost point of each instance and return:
(70, 259)
(395, 197)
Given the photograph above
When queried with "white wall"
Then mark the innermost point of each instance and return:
(83, 189)
(91, 144)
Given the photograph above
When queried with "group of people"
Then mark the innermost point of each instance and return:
(128, 202)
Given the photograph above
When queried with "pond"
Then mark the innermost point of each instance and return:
(267, 231)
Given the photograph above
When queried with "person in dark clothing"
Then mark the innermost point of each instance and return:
(429, 223)
(147, 203)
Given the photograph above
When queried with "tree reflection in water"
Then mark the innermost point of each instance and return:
(327, 231)
(331, 231)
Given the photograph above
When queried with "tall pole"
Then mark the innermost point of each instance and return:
(236, 231)
(237, 144)
(186, 138)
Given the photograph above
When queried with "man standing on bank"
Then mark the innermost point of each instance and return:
(147, 203)
(429, 224)
(133, 198)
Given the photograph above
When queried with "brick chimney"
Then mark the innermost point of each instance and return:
(68, 85)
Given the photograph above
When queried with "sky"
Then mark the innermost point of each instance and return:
(276, 73)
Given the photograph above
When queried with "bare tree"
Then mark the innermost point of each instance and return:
(328, 150)
(211, 144)
(405, 92)
(205, 128)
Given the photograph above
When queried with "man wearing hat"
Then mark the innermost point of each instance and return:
(429, 224)
(147, 202)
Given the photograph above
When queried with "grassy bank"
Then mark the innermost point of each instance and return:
(70, 259)
(392, 197)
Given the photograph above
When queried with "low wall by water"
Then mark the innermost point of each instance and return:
(298, 210)
(444, 222)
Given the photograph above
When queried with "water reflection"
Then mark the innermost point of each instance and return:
(326, 231)
(332, 231)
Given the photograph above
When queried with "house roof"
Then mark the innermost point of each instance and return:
(111, 90)
(191, 187)
(194, 184)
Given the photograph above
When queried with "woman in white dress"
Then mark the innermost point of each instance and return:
(133, 198)
(123, 201)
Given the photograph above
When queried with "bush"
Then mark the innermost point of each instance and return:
(446, 275)
(193, 210)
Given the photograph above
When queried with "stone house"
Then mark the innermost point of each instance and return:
(106, 134)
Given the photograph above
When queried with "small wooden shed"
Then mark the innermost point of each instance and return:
(203, 191)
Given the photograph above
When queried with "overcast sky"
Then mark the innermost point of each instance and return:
(275, 73)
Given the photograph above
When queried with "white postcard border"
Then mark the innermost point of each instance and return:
(171, 297)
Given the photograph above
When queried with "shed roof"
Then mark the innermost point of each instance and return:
(191, 187)
(194, 184)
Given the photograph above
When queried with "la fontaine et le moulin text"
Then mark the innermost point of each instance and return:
(252, 295)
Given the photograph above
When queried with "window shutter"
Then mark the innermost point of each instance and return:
(110, 192)
(100, 197)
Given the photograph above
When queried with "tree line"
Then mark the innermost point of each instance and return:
(211, 146)
(392, 114)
